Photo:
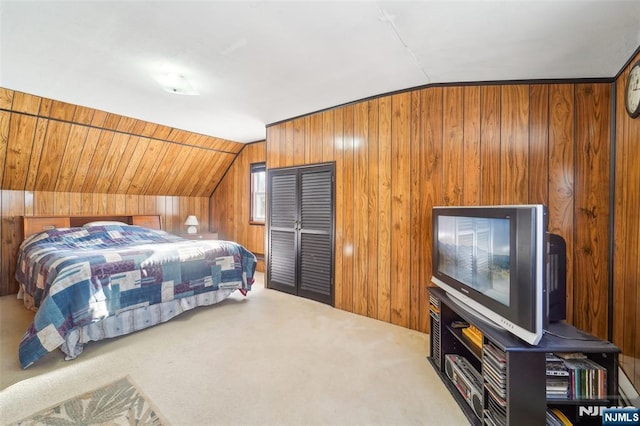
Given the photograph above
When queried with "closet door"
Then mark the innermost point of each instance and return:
(283, 226)
(300, 231)
(316, 234)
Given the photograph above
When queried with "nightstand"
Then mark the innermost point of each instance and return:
(201, 236)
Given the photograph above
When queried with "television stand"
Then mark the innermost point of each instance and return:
(498, 378)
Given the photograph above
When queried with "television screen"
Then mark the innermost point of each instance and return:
(476, 252)
(493, 260)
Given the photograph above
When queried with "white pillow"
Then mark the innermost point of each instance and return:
(104, 223)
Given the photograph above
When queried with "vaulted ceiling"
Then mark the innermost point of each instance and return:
(48, 145)
(259, 62)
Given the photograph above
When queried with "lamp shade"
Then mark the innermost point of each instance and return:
(191, 222)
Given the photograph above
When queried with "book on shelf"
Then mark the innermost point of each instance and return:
(474, 335)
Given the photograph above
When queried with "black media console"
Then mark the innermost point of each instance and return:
(499, 379)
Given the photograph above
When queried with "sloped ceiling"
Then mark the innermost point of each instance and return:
(48, 145)
(260, 62)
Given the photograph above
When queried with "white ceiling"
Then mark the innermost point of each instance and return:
(259, 62)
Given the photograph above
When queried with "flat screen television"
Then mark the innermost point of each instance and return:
(495, 260)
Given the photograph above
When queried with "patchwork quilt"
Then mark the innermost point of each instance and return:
(104, 281)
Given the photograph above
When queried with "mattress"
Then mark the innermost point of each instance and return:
(98, 282)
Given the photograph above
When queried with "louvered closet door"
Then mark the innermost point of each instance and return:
(316, 234)
(283, 213)
(300, 231)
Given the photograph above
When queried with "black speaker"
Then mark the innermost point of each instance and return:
(556, 285)
(476, 404)
(448, 368)
(434, 313)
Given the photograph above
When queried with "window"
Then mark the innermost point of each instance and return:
(258, 192)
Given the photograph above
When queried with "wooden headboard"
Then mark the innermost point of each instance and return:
(35, 224)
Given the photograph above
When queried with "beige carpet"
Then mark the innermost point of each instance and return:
(269, 358)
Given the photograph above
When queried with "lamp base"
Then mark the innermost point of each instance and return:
(192, 230)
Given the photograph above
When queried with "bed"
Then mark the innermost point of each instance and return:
(106, 279)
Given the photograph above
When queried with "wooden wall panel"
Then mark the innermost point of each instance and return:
(591, 208)
(213, 172)
(626, 237)
(6, 98)
(60, 158)
(471, 164)
(287, 144)
(490, 113)
(561, 175)
(83, 115)
(372, 209)
(127, 156)
(36, 154)
(71, 157)
(539, 143)
(28, 104)
(415, 218)
(453, 153)
(21, 129)
(51, 158)
(4, 140)
(56, 146)
(174, 175)
(431, 195)
(400, 208)
(99, 154)
(514, 145)
(313, 139)
(127, 172)
(348, 213)
(147, 170)
(84, 162)
(340, 246)
(62, 111)
(229, 204)
(466, 145)
(14, 204)
(298, 141)
(360, 208)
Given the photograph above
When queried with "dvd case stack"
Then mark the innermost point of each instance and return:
(588, 379)
(557, 378)
(574, 376)
(494, 366)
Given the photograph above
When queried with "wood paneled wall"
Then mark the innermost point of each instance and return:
(59, 158)
(47, 145)
(626, 264)
(14, 204)
(229, 206)
(397, 156)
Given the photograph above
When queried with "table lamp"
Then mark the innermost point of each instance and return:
(192, 223)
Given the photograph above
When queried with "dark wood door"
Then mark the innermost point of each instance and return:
(301, 226)
(283, 228)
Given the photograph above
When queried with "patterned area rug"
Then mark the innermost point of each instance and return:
(119, 403)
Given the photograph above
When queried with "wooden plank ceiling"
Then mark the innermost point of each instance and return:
(48, 145)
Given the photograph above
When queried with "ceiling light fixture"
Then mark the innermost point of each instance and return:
(176, 84)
